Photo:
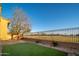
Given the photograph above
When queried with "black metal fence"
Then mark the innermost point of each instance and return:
(62, 35)
(66, 31)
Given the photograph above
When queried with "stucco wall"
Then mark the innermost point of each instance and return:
(3, 29)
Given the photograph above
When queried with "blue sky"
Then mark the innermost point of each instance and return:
(46, 16)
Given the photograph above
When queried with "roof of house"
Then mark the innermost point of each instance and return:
(5, 19)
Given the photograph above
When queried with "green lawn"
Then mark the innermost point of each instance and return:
(30, 49)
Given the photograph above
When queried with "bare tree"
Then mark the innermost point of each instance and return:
(19, 23)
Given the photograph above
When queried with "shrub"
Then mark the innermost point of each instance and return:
(55, 44)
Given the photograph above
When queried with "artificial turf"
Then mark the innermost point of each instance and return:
(30, 49)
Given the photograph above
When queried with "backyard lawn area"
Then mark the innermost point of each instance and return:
(30, 49)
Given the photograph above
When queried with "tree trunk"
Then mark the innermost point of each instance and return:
(11, 36)
(17, 36)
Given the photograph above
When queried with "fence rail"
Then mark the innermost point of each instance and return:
(61, 35)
